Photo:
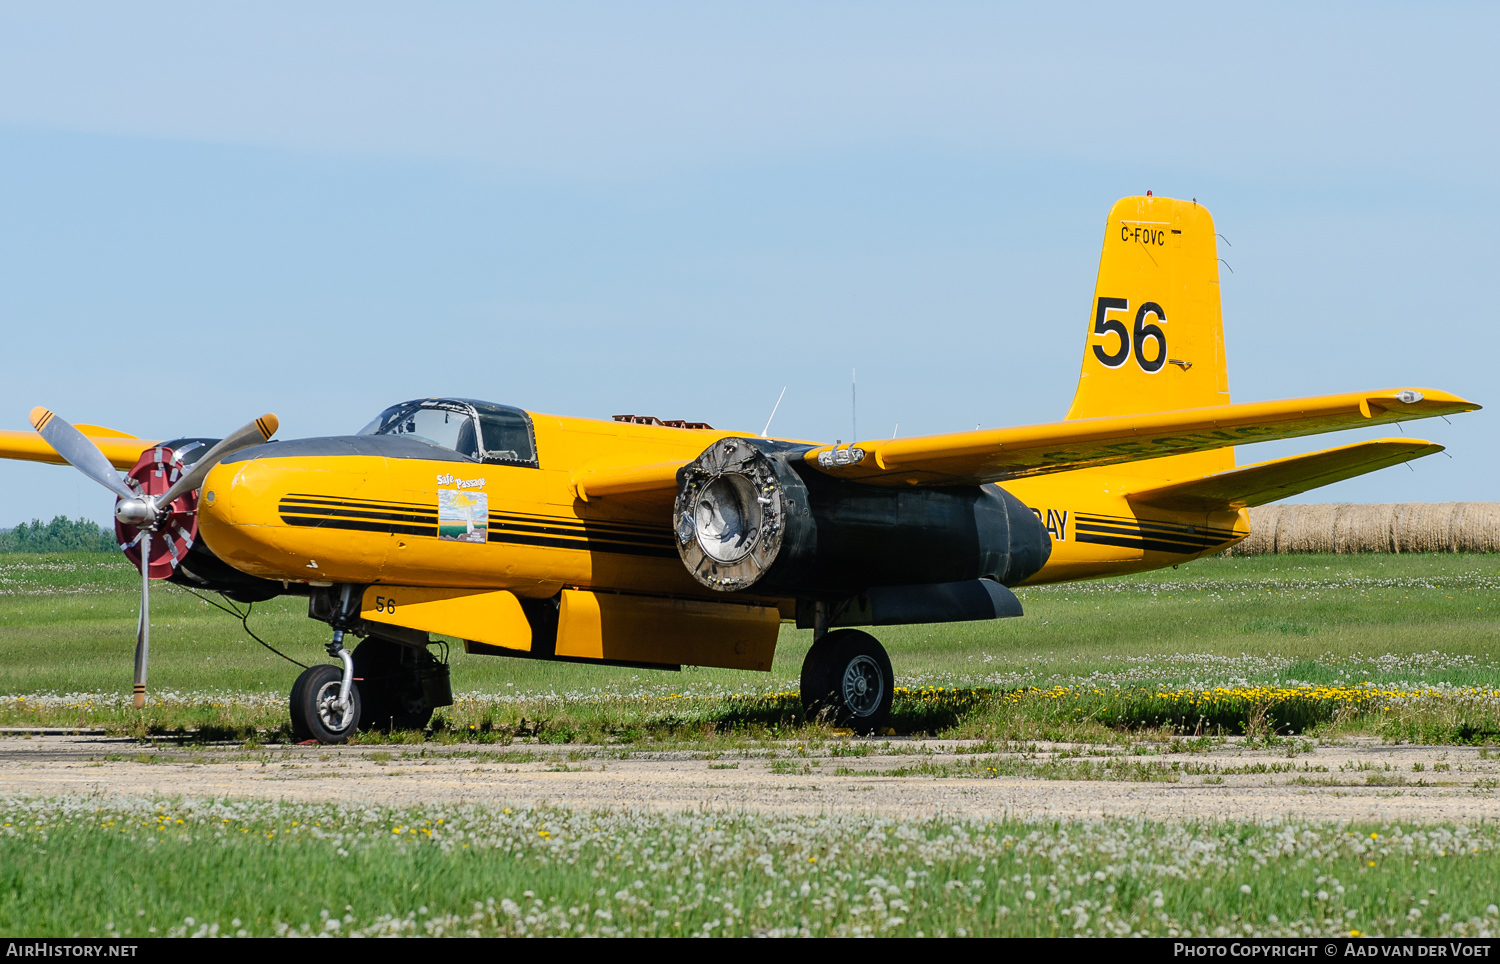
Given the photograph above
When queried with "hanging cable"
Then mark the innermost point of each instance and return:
(244, 618)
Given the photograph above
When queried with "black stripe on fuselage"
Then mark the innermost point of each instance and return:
(359, 525)
(1147, 535)
(539, 527)
(626, 530)
(374, 506)
(320, 512)
(582, 544)
(526, 530)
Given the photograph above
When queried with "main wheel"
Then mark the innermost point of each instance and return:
(847, 681)
(390, 685)
(315, 711)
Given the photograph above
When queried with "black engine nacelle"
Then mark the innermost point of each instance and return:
(752, 513)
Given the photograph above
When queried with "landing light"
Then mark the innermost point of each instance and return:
(837, 456)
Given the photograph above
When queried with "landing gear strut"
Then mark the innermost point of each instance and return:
(847, 679)
(325, 701)
(391, 681)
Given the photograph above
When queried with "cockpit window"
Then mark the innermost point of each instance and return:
(482, 431)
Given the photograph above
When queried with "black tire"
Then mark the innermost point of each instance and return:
(390, 685)
(313, 716)
(847, 681)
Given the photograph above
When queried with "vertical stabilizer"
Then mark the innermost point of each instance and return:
(1155, 330)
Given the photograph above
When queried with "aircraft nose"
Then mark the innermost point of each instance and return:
(216, 497)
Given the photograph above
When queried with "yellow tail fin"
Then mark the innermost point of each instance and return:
(1156, 333)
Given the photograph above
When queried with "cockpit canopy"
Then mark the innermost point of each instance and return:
(482, 431)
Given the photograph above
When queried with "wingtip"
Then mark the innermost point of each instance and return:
(268, 424)
(1432, 397)
(40, 417)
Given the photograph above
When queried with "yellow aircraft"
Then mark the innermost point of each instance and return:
(644, 543)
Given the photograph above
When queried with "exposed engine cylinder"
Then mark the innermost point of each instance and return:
(751, 512)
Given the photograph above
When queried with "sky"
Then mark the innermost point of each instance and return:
(208, 212)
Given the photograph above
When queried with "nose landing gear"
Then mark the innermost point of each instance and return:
(325, 700)
(391, 681)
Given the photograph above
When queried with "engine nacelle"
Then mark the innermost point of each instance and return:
(750, 512)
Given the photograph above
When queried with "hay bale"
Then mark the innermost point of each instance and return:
(1262, 538)
(1477, 525)
(1398, 527)
(1369, 528)
(1311, 529)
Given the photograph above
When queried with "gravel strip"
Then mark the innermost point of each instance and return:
(1357, 781)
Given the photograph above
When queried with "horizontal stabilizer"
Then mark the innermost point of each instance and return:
(1265, 482)
(997, 455)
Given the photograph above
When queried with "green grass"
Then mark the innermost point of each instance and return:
(1125, 665)
(136, 868)
(67, 625)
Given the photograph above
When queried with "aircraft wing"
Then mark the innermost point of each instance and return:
(628, 480)
(996, 455)
(1253, 485)
(122, 450)
(650, 487)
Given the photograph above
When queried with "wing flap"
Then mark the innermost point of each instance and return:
(122, 450)
(1265, 482)
(996, 455)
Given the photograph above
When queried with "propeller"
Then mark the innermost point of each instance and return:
(157, 502)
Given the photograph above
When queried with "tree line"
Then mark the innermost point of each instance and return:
(60, 535)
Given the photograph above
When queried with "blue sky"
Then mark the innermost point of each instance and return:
(207, 212)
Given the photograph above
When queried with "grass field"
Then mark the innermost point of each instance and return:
(182, 868)
(1276, 648)
(1364, 639)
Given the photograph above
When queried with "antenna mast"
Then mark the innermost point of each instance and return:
(853, 405)
(773, 412)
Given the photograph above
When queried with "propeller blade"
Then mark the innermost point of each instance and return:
(81, 453)
(255, 433)
(143, 628)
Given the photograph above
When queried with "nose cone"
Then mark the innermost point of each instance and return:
(233, 521)
(213, 506)
(288, 516)
(134, 512)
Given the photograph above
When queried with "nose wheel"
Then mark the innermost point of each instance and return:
(847, 681)
(325, 702)
(316, 713)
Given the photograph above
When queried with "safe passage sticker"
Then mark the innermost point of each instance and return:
(463, 516)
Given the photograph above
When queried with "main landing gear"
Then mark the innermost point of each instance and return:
(847, 680)
(400, 685)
